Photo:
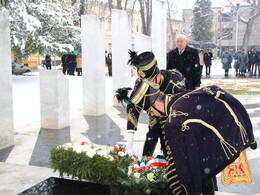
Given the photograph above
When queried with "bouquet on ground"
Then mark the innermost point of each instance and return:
(85, 161)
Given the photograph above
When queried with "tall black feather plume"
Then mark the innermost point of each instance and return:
(134, 59)
(122, 94)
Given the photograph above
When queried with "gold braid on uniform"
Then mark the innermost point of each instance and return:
(152, 121)
(131, 117)
(243, 132)
(227, 148)
(172, 177)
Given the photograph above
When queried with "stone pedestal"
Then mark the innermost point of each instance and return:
(6, 96)
(93, 65)
(121, 36)
(159, 32)
(142, 43)
(54, 95)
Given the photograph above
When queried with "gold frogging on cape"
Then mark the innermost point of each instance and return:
(224, 144)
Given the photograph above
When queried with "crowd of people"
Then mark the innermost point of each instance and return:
(72, 62)
(244, 62)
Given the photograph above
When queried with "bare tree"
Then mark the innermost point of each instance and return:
(146, 15)
(254, 13)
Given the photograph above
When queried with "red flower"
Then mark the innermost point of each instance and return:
(84, 143)
(116, 148)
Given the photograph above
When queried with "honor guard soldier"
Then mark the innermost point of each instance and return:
(169, 82)
(205, 130)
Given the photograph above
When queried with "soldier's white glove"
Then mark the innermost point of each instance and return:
(129, 143)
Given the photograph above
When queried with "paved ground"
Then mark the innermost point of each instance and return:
(27, 162)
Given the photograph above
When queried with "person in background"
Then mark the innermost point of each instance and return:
(208, 57)
(243, 61)
(79, 64)
(202, 62)
(226, 60)
(258, 63)
(109, 63)
(236, 63)
(252, 61)
(47, 61)
(65, 61)
(71, 63)
(186, 60)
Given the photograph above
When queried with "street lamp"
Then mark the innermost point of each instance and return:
(237, 7)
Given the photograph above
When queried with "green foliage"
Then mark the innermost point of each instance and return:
(136, 185)
(79, 165)
(202, 21)
(85, 162)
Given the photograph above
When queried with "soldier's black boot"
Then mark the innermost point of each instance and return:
(149, 146)
(210, 186)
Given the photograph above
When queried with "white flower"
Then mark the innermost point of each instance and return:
(91, 152)
(137, 174)
(150, 176)
(110, 157)
(102, 153)
(67, 145)
(121, 153)
(130, 170)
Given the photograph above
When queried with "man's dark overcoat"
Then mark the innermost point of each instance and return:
(187, 63)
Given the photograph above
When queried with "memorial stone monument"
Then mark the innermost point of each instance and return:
(54, 94)
(159, 32)
(6, 96)
(93, 65)
(121, 43)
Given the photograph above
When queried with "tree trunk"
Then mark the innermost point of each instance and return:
(119, 4)
(142, 12)
(248, 32)
(254, 13)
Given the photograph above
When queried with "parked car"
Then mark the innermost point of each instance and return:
(19, 69)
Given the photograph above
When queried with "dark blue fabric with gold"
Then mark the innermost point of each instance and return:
(206, 130)
(172, 83)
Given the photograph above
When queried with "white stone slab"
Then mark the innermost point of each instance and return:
(6, 96)
(54, 95)
(142, 43)
(159, 32)
(121, 43)
(93, 65)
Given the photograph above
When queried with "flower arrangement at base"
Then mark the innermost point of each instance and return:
(84, 161)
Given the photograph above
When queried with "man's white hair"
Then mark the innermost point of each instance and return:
(183, 36)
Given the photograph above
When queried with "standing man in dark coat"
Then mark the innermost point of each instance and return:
(71, 64)
(65, 60)
(48, 61)
(186, 60)
(208, 56)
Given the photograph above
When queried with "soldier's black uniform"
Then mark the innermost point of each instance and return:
(173, 82)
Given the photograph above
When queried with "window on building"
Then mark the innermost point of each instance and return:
(109, 47)
(109, 23)
(224, 17)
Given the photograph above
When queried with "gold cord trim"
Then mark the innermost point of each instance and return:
(225, 145)
(241, 128)
(131, 118)
(170, 186)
